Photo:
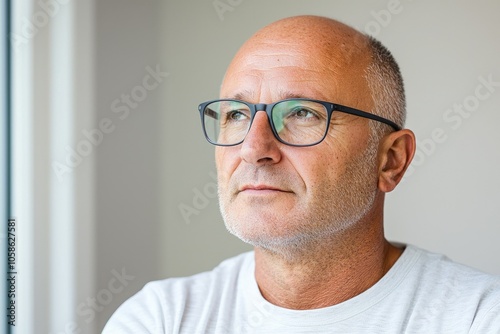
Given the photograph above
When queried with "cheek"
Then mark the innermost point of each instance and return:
(226, 161)
(218, 157)
(319, 170)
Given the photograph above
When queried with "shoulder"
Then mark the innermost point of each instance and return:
(439, 266)
(446, 289)
(437, 270)
(160, 305)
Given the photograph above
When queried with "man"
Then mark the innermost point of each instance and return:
(309, 139)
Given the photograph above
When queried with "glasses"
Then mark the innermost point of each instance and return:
(295, 122)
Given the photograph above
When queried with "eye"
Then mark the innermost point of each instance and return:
(236, 115)
(302, 113)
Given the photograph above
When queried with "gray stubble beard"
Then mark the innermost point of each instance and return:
(352, 200)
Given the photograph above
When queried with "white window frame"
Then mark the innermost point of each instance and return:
(52, 101)
(4, 154)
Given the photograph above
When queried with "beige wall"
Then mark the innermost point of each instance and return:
(127, 162)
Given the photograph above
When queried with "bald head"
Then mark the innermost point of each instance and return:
(320, 34)
(355, 69)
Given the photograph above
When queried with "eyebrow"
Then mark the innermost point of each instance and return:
(247, 95)
(242, 96)
(284, 94)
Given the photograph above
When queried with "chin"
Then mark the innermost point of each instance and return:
(288, 246)
(285, 235)
(279, 237)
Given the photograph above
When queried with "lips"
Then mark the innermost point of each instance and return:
(260, 187)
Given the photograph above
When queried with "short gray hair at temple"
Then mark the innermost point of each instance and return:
(386, 86)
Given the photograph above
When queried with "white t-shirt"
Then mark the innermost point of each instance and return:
(422, 293)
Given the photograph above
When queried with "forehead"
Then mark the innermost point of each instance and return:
(259, 80)
(282, 68)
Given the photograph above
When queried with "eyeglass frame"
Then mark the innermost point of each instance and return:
(268, 107)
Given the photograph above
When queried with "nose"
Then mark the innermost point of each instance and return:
(260, 147)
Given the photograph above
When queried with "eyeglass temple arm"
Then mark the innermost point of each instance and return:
(360, 113)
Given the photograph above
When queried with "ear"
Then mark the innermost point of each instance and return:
(396, 151)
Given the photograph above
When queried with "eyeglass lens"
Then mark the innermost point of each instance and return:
(296, 122)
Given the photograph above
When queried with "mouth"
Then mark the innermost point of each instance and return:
(261, 189)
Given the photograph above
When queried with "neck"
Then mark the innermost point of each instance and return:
(328, 272)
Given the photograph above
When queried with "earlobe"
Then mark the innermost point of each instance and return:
(395, 154)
